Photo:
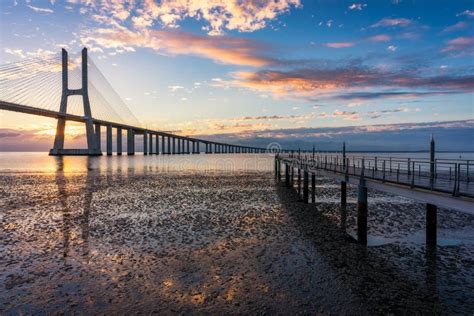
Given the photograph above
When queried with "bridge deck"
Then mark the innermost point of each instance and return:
(444, 189)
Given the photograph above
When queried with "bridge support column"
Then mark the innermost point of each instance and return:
(109, 140)
(313, 188)
(150, 144)
(145, 143)
(431, 225)
(163, 151)
(305, 186)
(157, 144)
(130, 142)
(119, 141)
(93, 147)
(362, 213)
(97, 134)
(174, 145)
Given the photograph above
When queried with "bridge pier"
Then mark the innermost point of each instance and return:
(431, 225)
(362, 213)
(163, 144)
(97, 141)
(109, 140)
(150, 144)
(145, 143)
(305, 186)
(130, 142)
(119, 141)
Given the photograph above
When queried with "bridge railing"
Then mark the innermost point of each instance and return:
(444, 175)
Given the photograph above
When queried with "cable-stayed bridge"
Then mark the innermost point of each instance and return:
(78, 91)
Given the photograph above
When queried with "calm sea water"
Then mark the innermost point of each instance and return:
(214, 234)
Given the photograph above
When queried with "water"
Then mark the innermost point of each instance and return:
(214, 234)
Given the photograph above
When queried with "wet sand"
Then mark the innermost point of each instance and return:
(128, 240)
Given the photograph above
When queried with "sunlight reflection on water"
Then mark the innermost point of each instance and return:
(42, 163)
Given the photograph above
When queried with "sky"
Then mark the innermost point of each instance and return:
(246, 70)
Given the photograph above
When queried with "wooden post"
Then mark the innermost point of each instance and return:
(431, 225)
(313, 188)
(343, 194)
(279, 169)
(362, 213)
(305, 186)
(287, 175)
(292, 175)
(299, 181)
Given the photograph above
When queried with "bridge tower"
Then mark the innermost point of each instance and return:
(93, 139)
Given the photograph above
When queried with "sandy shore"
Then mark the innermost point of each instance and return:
(220, 242)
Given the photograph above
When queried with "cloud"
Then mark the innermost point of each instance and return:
(175, 88)
(357, 6)
(450, 135)
(386, 22)
(390, 94)
(40, 10)
(242, 15)
(392, 48)
(347, 115)
(329, 81)
(15, 52)
(339, 44)
(460, 46)
(380, 38)
(468, 13)
(455, 27)
(226, 50)
(218, 15)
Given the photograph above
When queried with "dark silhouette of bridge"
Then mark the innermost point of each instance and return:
(24, 88)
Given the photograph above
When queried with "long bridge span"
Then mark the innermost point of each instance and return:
(22, 89)
(36, 87)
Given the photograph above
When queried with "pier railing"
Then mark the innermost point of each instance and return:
(443, 175)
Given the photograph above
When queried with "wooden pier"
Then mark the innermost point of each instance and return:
(437, 182)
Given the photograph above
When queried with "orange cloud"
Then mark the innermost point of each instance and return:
(226, 50)
(380, 38)
(219, 15)
(339, 44)
(460, 45)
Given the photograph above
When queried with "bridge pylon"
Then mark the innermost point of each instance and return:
(93, 142)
